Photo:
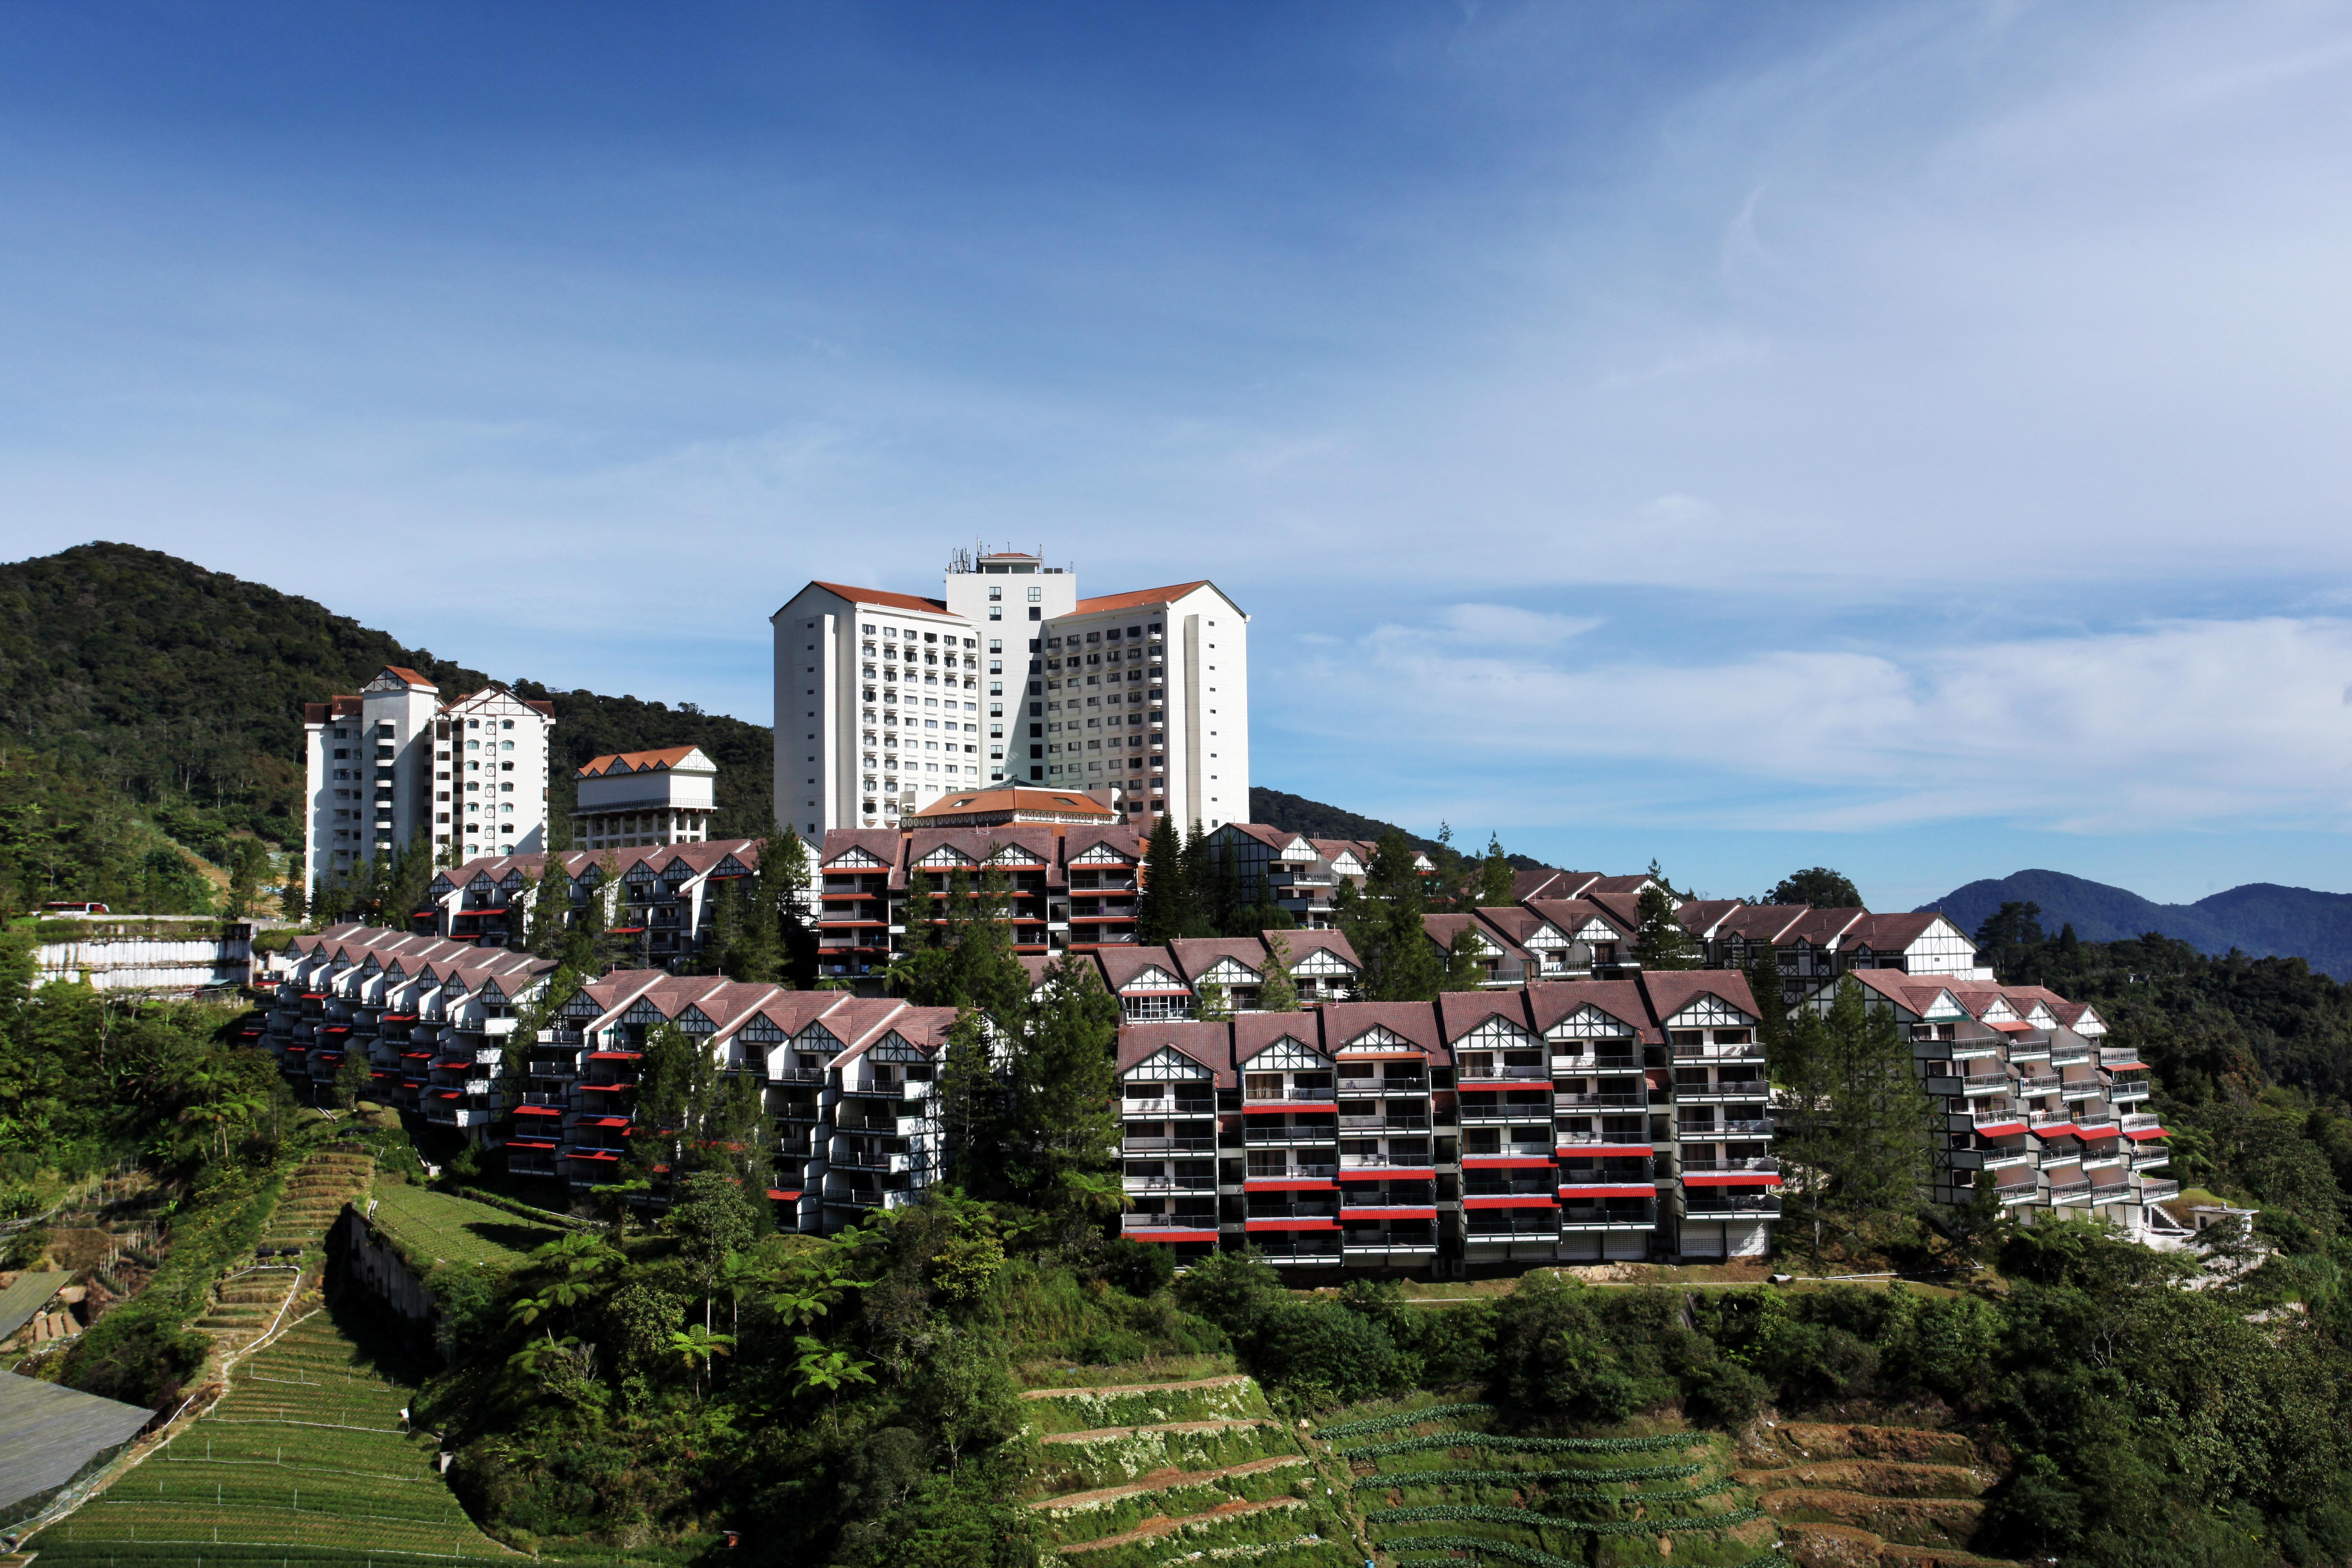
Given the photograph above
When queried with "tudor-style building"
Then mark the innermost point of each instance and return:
(2026, 1094)
(1563, 1121)
(664, 897)
(633, 800)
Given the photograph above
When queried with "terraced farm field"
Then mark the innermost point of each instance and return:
(439, 1227)
(1856, 1496)
(303, 1461)
(244, 1305)
(1434, 1485)
(1140, 1475)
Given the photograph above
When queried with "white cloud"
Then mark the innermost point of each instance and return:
(2181, 725)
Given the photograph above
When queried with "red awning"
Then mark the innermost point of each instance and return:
(2145, 1133)
(2123, 1067)
(1170, 1236)
(1387, 1211)
(2000, 1128)
(1597, 1190)
(2013, 1027)
(1289, 1185)
(537, 1111)
(1732, 1179)
(1391, 1174)
(615, 1056)
(1506, 1162)
(605, 1121)
(593, 1155)
(336, 1029)
(2060, 1129)
(782, 1196)
(531, 1143)
(1290, 1225)
(1511, 1201)
(1600, 1151)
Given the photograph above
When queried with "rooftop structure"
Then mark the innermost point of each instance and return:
(640, 799)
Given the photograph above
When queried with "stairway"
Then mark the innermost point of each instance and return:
(249, 1299)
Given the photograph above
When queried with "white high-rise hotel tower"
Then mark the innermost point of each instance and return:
(884, 702)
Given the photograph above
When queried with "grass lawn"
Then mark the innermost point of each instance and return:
(436, 1228)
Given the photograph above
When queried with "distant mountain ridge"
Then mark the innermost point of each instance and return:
(2261, 919)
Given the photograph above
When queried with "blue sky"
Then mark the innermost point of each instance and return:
(1908, 437)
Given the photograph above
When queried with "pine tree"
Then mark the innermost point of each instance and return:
(1854, 1149)
(1213, 1003)
(352, 1079)
(406, 882)
(1200, 886)
(972, 1107)
(1385, 925)
(1465, 962)
(784, 883)
(1277, 992)
(246, 860)
(1229, 914)
(1065, 1127)
(293, 898)
(1496, 878)
(719, 952)
(1661, 942)
(1763, 973)
(549, 901)
(1160, 908)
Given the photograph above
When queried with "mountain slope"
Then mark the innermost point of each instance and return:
(180, 689)
(2261, 919)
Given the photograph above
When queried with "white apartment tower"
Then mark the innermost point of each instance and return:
(394, 763)
(886, 701)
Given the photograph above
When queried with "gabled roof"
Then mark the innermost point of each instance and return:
(661, 761)
(1413, 1021)
(1140, 598)
(1553, 1001)
(1460, 1011)
(1671, 990)
(1302, 943)
(878, 597)
(1210, 1045)
(1195, 956)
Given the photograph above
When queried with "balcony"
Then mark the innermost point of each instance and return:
(1310, 1171)
(1321, 1249)
(889, 1089)
(1724, 1206)
(1752, 1051)
(1636, 1099)
(1396, 1161)
(1720, 1093)
(2034, 1083)
(1503, 1115)
(2081, 1089)
(856, 1158)
(1286, 1134)
(2127, 1092)
(1521, 1149)
(1168, 1110)
(2155, 1191)
(1153, 1182)
(2077, 1191)
(796, 1075)
(2141, 1122)
(1746, 1162)
(1415, 1085)
(1384, 1123)
(1501, 1224)
(1160, 1145)
(1258, 1209)
(1498, 1073)
(2118, 1055)
(1975, 1049)
(2063, 1053)
(1590, 1065)
(2016, 1196)
(1605, 1216)
(2005, 1159)
(1997, 1115)
(1293, 1095)
(1132, 1223)
(1567, 1137)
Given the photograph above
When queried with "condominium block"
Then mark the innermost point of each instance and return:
(886, 702)
(393, 766)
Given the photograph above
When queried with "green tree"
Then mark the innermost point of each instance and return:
(1855, 1142)
(1465, 962)
(1661, 942)
(1160, 908)
(351, 1078)
(1763, 974)
(248, 863)
(2011, 939)
(1229, 913)
(972, 1106)
(1818, 886)
(547, 908)
(1384, 922)
(1277, 992)
(1063, 1130)
(720, 953)
(293, 896)
(782, 885)
(1495, 879)
(1213, 1003)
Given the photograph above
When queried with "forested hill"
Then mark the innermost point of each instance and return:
(1297, 814)
(2260, 919)
(180, 691)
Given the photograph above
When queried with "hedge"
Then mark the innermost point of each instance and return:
(1365, 1428)
(1524, 1444)
(1473, 1478)
(1508, 1551)
(1530, 1520)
